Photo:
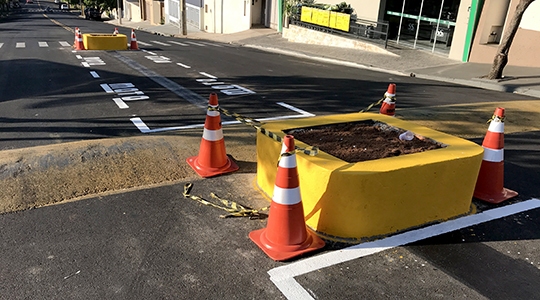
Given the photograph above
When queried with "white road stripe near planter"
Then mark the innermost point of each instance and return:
(178, 43)
(160, 43)
(196, 44)
(184, 66)
(65, 44)
(143, 43)
(43, 44)
(283, 277)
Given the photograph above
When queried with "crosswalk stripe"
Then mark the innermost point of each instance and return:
(20, 45)
(178, 43)
(1, 44)
(143, 43)
(210, 44)
(43, 44)
(196, 44)
(64, 44)
(160, 43)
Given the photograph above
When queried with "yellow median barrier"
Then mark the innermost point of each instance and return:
(100, 41)
(364, 200)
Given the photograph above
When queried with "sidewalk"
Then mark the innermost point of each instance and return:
(410, 62)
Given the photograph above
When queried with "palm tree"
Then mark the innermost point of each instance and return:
(501, 58)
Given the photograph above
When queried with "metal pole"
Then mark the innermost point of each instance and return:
(119, 12)
(437, 30)
(400, 22)
(418, 24)
(184, 16)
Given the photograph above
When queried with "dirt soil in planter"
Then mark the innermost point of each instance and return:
(361, 141)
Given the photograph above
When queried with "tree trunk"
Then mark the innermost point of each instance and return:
(501, 58)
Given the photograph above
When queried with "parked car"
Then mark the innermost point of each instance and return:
(92, 13)
(64, 6)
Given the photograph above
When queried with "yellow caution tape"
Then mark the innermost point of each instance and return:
(312, 151)
(234, 209)
(378, 102)
(496, 117)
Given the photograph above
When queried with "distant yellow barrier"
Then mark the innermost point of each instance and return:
(325, 18)
(99, 41)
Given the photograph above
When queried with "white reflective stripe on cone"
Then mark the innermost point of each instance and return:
(493, 155)
(212, 113)
(288, 161)
(212, 135)
(286, 196)
(496, 126)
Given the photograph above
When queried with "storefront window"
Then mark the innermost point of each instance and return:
(427, 24)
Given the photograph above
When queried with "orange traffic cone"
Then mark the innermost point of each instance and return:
(133, 45)
(489, 185)
(115, 31)
(75, 40)
(286, 235)
(79, 45)
(212, 159)
(388, 106)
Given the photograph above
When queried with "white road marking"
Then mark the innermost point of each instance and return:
(106, 88)
(78, 56)
(20, 45)
(94, 74)
(43, 44)
(210, 44)
(1, 44)
(139, 123)
(178, 43)
(181, 65)
(160, 43)
(143, 43)
(196, 44)
(121, 104)
(65, 44)
(207, 75)
(283, 277)
(302, 112)
(149, 52)
(85, 64)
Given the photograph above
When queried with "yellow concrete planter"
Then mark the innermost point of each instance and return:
(99, 41)
(356, 201)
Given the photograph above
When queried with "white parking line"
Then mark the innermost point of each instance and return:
(207, 75)
(94, 74)
(283, 277)
(85, 64)
(121, 104)
(149, 52)
(210, 44)
(160, 43)
(1, 44)
(178, 43)
(184, 66)
(43, 44)
(143, 43)
(65, 44)
(196, 44)
(139, 123)
(20, 45)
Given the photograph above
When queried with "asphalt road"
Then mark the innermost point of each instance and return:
(151, 243)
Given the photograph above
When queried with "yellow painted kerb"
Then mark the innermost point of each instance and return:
(99, 41)
(378, 197)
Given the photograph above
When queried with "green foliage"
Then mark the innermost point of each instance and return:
(101, 4)
(342, 7)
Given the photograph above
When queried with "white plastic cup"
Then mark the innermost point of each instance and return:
(406, 136)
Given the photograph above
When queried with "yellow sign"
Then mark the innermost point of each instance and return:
(325, 18)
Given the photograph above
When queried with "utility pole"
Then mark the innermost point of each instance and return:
(119, 12)
(184, 21)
